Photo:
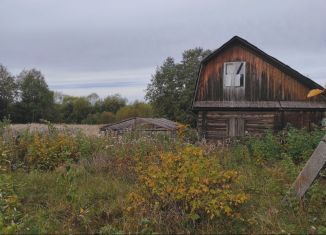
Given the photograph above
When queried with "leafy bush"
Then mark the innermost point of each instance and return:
(297, 144)
(300, 144)
(185, 186)
(267, 147)
(45, 151)
(186, 133)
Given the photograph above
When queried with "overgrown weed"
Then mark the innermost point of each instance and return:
(109, 185)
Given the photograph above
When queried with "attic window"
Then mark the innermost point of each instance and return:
(234, 74)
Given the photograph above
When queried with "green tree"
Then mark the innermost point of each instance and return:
(106, 117)
(8, 91)
(36, 100)
(171, 88)
(99, 118)
(75, 109)
(137, 109)
(113, 103)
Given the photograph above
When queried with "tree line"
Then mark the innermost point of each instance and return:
(27, 98)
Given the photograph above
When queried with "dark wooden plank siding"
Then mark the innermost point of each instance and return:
(223, 124)
(303, 119)
(263, 81)
(219, 124)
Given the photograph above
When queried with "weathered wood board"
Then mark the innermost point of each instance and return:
(311, 170)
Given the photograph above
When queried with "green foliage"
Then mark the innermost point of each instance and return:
(11, 216)
(8, 91)
(74, 109)
(36, 98)
(100, 118)
(295, 144)
(153, 185)
(69, 200)
(137, 109)
(268, 147)
(45, 151)
(109, 230)
(112, 103)
(300, 144)
(3, 125)
(27, 98)
(172, 86)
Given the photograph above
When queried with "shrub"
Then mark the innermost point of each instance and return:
(185, 185)
(267, 147)
(46, 150)
(300, 144)
(186, 133)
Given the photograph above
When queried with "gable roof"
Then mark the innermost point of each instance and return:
(163, 123)
(236, 40)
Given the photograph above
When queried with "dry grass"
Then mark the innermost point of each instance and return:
(90, 130)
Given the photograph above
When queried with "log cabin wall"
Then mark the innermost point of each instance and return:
(263, 81)
(221, 124)
(303, 119)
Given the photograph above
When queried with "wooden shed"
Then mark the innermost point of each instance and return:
(142, 126)
(240, 89)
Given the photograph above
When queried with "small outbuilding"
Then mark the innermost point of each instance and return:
(142, 126)
(240, 89)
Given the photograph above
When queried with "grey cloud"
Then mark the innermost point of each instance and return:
(59, 36)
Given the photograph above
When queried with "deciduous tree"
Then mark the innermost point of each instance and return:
(8, 91)
(35, 99)
(171, 88)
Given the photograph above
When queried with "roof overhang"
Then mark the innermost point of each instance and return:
(258, 105)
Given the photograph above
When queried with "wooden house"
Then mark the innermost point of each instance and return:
(240, 89)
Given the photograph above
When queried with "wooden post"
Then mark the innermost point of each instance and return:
(311, 170)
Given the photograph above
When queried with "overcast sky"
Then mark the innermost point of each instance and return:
(112, 47)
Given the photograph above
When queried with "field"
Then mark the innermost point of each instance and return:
(90, 130)
(62, 181)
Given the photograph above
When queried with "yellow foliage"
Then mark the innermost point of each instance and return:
(181, 130)
(188, 180)
(47, 151)
(314, 92)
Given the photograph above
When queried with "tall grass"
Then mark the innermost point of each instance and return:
(82, 184)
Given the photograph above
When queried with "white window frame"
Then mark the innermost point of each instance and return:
(229, 80)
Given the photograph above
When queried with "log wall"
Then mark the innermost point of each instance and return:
(221, 124)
